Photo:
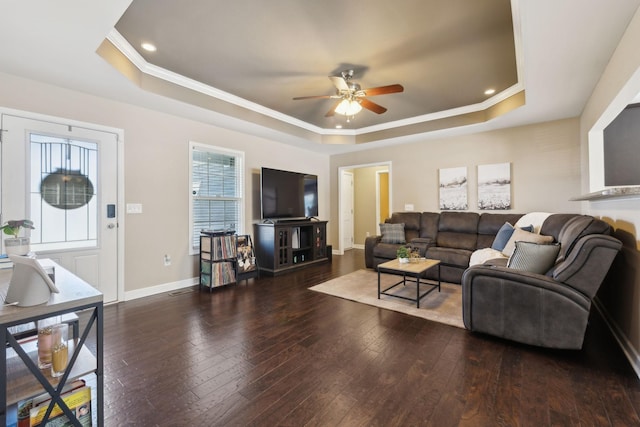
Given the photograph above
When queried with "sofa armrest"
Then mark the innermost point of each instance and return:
(522, 306)
(422, 244)
(369, 243)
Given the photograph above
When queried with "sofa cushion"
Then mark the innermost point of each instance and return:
(554, 223)
(448, 239)
(451, 256)
(460, 222)
(490, 223)
(411, 221)
(526, 236)
(533, 257)
(392, 233)
(386, 250)
(429, 225)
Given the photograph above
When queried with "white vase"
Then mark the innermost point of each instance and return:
(17, 246)
(403, 260)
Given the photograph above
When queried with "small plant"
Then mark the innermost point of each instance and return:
(13, 227)
(403, 252)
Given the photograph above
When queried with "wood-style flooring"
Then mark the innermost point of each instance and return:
(270, 352)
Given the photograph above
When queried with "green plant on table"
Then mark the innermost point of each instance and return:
(13, 227)
(403, 252)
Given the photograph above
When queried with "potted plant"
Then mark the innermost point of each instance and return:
(16, 245)
(403, 253)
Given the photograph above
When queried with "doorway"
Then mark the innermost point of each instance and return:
(65, 178)
(371, 198)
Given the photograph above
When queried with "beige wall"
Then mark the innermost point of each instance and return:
(618, 86)
(156, 161)
(545, 163)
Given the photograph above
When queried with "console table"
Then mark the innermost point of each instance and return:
(20, 377)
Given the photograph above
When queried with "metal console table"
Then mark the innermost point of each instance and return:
(20, 377)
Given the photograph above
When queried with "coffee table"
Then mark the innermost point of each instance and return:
(413, 270)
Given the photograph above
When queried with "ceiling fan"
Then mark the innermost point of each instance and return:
(352, 97)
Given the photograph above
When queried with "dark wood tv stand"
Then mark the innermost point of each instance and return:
(282, 246)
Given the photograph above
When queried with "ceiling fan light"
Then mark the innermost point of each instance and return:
(348, 107)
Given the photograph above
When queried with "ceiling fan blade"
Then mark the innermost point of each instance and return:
(297, 98)
(372, 106)
(332, 111)
(339, 82)
(383, 90)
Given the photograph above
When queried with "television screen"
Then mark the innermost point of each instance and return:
(286, 194)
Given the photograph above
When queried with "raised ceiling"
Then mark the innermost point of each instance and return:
(561, 50)
(264, 53)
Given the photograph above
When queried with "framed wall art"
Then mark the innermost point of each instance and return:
(494, 186)
(453, 189)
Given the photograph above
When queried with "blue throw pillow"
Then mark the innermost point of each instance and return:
(502, 237)
(504, 234)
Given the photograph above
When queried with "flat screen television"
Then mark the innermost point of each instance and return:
(288, 195)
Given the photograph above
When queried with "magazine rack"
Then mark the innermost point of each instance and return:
(247, 261)
(20, 377)
(217, 258)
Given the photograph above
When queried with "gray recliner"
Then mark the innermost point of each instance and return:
(548, 310)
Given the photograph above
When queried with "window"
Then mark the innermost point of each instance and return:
(217, 190)
(63, 199)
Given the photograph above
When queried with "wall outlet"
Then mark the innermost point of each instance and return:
(167, 260)
(368, 234)
(408, 207)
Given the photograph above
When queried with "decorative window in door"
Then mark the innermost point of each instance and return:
(63, 201)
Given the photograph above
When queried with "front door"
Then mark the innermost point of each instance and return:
(64, 178)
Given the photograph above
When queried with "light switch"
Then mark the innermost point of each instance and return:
(134, 208)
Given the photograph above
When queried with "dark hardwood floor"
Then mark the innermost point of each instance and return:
(272, 353)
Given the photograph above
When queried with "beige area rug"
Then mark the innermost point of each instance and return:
(362, 286)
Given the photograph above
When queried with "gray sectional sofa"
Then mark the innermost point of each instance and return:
(450, 237)
(537, 289)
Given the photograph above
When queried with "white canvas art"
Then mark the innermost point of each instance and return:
(494, 186)
(453, 189)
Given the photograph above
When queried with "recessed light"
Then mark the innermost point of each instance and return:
(338, 126)
(489, 91)
(148, 47)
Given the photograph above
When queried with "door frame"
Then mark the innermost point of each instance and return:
(346, 173)
(388, 164)
(120, 211)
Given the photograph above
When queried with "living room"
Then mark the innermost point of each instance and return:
(552, 161)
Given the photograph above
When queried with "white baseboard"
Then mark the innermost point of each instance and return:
(165, 287)
(627, 348)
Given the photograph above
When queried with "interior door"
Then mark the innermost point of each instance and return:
(64, 178)
(346, 204)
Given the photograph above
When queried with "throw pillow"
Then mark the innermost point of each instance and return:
(502, 237)
(504, 234)
(533, 257)
(526, 236)
(392, 233)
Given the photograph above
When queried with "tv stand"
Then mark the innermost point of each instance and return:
(290, 245)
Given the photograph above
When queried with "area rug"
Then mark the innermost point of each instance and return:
(362, 286)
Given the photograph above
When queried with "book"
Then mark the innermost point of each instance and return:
(77, 399)
(19, 415)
